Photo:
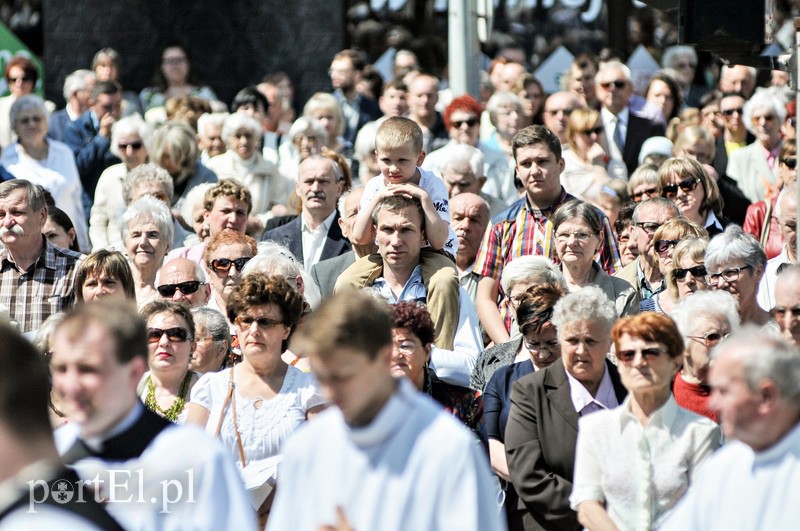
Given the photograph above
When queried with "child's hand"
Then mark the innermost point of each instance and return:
(409, 190)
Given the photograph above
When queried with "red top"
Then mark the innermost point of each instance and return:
(693, 397)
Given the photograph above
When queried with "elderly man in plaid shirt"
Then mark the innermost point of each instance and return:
(37, 279)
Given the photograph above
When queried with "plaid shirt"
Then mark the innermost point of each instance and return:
(47, 287)
(522, 230)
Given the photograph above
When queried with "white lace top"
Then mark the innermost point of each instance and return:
(263, 424)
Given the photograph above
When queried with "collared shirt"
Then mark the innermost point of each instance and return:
(713, 221)
(646, 291)
(314, 240)
(584, 402)
(47, 287)
(640, 472)
(610, 122)
(468, 280)
(522, 230)
(766, 286)
(413, 290)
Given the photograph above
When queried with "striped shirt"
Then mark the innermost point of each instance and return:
(522, 230)
(47, 287)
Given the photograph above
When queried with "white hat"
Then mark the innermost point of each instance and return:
(655, 145)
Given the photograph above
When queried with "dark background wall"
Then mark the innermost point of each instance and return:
(232, 43)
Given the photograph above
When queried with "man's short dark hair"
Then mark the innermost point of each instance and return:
(396, 203)
(536, 134)
(37, 196)
(250, 96)
(105, 87)
(119, 319)
(357, 58)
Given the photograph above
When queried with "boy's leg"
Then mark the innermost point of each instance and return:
(441, 280)
(361, 274)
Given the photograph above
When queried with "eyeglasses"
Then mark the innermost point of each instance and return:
(649, 227)
(779, 312)
(790, 162)
(619, 84)
(224, 264)
(470, 122)
(581, 237)
(670, 191)
(24, 79)
(650, 192)
(627, 356)
(264, 323)
(540, 347)
(731, 112)
(595, 131)
(698, 272)
(405, 348)
(663, 247)
(729, 275)
(175, 335)
(136, 146)
(187, 288)
(769, 118)
(711, 338)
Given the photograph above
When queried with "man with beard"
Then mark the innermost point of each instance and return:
(37, 279)
(315, 234)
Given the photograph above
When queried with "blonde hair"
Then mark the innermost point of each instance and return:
(399, 132)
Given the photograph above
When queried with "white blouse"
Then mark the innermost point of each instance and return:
(640, 472)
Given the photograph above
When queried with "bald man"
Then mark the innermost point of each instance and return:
(786, 212)
(183, 280)
(557, 108)
(469, 217)
(787, 303)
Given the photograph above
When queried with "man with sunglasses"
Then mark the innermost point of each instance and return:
(786, 213)
(625, 131)
(126, 452)
(182, 280)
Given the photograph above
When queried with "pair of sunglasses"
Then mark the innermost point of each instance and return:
(224, 264)
(187, 288)
(699, 272)
(670, 191)
(663, 246)
(627, 356)
(175, 335)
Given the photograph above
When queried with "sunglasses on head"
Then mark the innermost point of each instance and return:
(136, 146)
(687, 185)
(619, 83)
(187, 288)
(699, 272)
(175, 335)
(790, 162)
(224, 264)
(627, 356)
(470, 122)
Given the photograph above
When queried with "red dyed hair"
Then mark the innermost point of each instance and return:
(462, 103)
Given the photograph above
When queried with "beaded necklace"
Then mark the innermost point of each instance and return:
(176, 407)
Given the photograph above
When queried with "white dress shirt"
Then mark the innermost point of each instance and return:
(314, 240)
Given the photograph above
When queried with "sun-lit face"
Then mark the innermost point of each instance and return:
(223, 282)
(660, 95)
(650, 370)
(577, 243)
(409, 356)
(584, 346)
(703, 337)
(169, 355)
(540, 172)
(736, 404)
(100, 285)
(262, 342)
(464, 127)
(145, 245)
(542, 345)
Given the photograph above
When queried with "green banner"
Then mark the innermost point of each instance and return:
(11, 46)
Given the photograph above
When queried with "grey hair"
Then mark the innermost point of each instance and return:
(464, 153)
(717, 303)
(42, 340)
(616, 65)
(762, 99)
(502, 99)
(275, 259)
(525, 268)
(672, 54)
(78, 80)
(340, 206)
(211, 118)
(587, 304)
(213, 322)
(644, 174)
(195, 197)
(656, 203)
(199, 273)
(732, 245)
(27, 102)
(765, 357)
(148, 208)
(177, 141)
(309, 126)
(130, 125)
(146, 173)
(240, 120)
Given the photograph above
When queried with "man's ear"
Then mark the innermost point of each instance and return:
(301, 285)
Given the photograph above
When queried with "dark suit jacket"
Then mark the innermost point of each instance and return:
(368, 110)
(327, 271)
(58, 123)
(639, 130)
(92, 151)
(540, 440)
(289, 235)
(735, 201)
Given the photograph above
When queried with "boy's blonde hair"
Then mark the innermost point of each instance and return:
(399, 132)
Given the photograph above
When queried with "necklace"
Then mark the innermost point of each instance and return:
(176, 407)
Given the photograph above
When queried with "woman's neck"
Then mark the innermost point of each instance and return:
(168, 380)
(38, 152)
(144, 276)
(267, 368)
(644, 404)
(753, 313)
(577, 275)
(697, 218)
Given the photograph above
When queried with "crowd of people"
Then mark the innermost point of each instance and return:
(405, 308)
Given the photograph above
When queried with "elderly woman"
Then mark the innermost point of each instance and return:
(735, 263)
(643, 183)
(224, 257)
(256, 405)
(104, 274)
(146, 235)
(704, 320)
(129, 139)
(45, 162)
(307, 137)
(506, 114)
(542, 424)
(242, 161)
(666, 237)
(664, 92)
(685, 182)
(324, 108)
(174, 148)
(585, 160)
(412, 342)
(578, 232)
(174, 77)
(635, 462)
(213, 338)
(166, 387)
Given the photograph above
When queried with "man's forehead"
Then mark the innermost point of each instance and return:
(731, 101)
(317, 170)
(18, 197)
(91, 341)
(558, 102)
(179, 268)
(404, 216)
(458, 171)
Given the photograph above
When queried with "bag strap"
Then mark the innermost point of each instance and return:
(230, 398)
(766, 226)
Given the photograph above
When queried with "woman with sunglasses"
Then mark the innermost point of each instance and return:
(585, 161)
(643, 183)
(688, 273)
(224, 257)
(704, 320)
(256, 405)
(683, 181)
(170, 342)
(147, 235)
(665, 239)
(578, 232)
(635, 462)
